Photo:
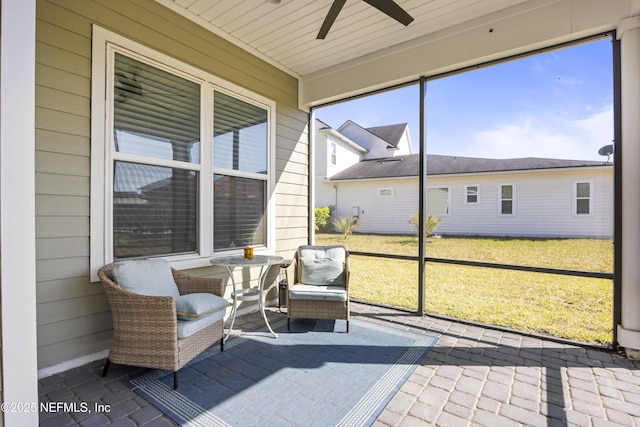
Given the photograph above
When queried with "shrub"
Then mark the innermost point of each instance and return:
(346, 225)
(322, 217)
(431, 224)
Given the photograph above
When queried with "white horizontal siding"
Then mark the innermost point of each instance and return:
(325, 193)
(404, 145)
(346, 156)
(323, 190)
(388, 215)
(543, 205)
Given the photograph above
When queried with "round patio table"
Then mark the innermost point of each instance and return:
(248, 294)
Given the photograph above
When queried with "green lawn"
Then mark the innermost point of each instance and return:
(563, 306)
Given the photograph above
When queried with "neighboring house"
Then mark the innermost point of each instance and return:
(532, 197)
(337, 150)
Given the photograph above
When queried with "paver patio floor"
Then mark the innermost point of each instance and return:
(473, 377)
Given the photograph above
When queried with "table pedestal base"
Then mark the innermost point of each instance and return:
(251, 294)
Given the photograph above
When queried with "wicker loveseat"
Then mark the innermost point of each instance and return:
(318, 284)
(146, 329)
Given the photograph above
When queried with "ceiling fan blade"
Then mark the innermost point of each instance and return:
(336, 7)
(392, 9)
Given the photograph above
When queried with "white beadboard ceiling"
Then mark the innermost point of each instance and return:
(285, 33)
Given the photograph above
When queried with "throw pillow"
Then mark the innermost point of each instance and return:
(322, 265)
(151, 277)
(198, 305)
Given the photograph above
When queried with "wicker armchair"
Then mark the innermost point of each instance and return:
(145, 328)
(319, 294)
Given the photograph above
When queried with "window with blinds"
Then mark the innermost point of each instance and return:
(507, 198)
(161, 201)
(583, 200)
(240, 172)
(471, 194)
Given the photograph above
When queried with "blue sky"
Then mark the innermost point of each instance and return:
(558, 104)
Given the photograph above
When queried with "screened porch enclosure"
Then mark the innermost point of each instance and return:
(506, 162)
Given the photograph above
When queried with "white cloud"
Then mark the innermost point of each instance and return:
(537, 136)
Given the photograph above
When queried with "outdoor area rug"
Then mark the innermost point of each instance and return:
(311, 376)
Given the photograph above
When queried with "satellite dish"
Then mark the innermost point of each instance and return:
(607, 150)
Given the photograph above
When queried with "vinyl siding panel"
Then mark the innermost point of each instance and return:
(62, 206)
(61, 122)
(68, 60)
(60, 143)
(67, 328)
(73, 314)
(63, 289)
(345, 157)
(291, 221)
(60, 100)
(322, 153)
(71, 308)
(49, 183)
(49, 355)
(292, 178)
(543, 204)
(52, 226)
(296, 168)
(322, 190)
(62, 247)
(380, 215)
(62, 80)
(291, 189)
(325, 194)
(62, 164)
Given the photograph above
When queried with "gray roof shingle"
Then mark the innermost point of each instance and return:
(389, 133)
(409, 166)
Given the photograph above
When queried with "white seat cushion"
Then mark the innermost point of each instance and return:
(187, 328)
(318, 292)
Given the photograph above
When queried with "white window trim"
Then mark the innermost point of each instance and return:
(466, 202)
(333, 153)
(382, 190)
(513, 199)
(101, 250)
(574, 203)
(448, 187)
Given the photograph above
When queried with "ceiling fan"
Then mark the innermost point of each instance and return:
(388, 7)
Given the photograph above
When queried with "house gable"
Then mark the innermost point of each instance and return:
(374, 144)
(396, 135)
